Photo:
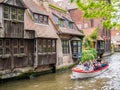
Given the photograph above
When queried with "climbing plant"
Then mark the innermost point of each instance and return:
(88, 40)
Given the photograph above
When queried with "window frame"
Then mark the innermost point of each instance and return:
(12, 13)
(65, 47)
(46, 46)
(4, 12)
(41, 19)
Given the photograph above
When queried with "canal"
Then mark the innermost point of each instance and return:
(109, 80)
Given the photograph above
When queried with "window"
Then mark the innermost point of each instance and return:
(21, 46)
(4, 46)
(45, 20)
(49, 44)
(61, 23)
(46, 46)
(65, 46)
(53, 45)
(55, 19)
(75, 48)
(67, 23)
(20, 14)
(7, 46)
(1, 46)
(39, 45)
(6, 12)
(15, 46)
(101, 45)
(13, 13)
(38, 18)
(71, 25)
(79, 46)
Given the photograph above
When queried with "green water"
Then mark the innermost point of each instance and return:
(109, 80)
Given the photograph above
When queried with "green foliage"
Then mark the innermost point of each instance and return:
(94, 34)
(88, 40)
(103, 9)
(88, 54)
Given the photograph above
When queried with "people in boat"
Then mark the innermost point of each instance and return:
(93, 65)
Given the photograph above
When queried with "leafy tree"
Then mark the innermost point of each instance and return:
(89, 54)
(104, 9)
(88, 40)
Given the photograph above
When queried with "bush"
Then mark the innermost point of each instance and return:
(88, 54)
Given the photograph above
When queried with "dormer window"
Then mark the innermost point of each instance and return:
(61, 22)
(71, 25)
(38, 18)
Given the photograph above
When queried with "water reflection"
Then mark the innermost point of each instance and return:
(109, 80)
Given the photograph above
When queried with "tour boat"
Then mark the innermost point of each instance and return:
(78, 73)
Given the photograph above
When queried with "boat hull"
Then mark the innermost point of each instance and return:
(77, 74)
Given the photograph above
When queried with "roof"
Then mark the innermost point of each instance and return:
(41, 31)
(67, 4)
(70, 31)
(18, 3)
(100, 38)
(66, 29)
(88, 31)
(35, 7)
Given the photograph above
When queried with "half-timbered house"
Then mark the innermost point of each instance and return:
(69, 42)
(13, 46)
(39, 28)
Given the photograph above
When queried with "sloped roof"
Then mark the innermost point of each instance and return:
(41, 31)
(88, 31)
(70, 31)
(65, 30)
(34, 7)
(67, 4)
(100, 38)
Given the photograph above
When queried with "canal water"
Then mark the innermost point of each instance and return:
(109, 80)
